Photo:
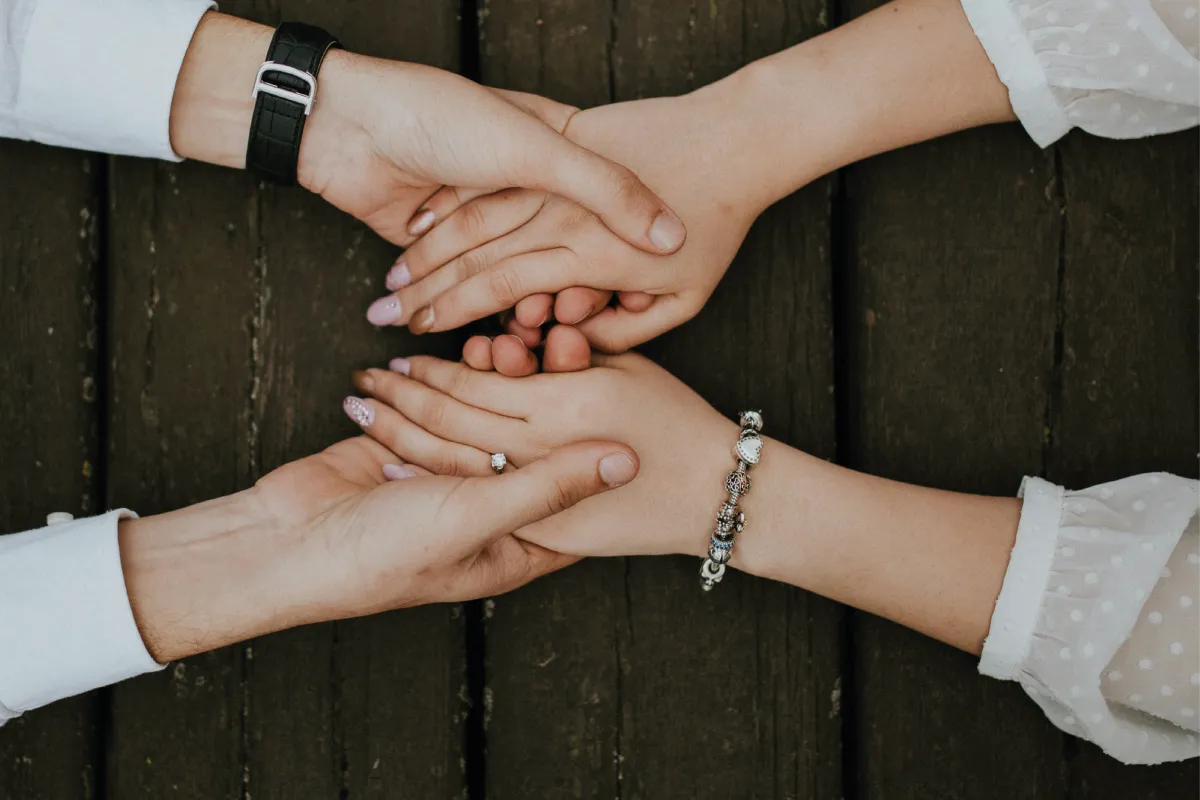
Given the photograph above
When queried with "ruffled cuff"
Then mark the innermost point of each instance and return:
(1082, 567)
(999, 31)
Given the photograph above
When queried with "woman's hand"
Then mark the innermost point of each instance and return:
(513, 248)
(329, 537)
(448, 417)
(385, 135)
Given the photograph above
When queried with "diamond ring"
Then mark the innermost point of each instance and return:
(499, 462)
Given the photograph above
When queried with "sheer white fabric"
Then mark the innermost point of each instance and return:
(1097, 618)
(1115, 68)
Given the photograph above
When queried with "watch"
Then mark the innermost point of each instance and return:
(284, 92)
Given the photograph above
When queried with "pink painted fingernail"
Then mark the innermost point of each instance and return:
(384, 311)
(667, 232)
(421, 223)
(399, 365)
(398, 276)
(396, 472)
(359, 411)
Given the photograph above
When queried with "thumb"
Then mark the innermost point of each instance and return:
(609, 190)
(549, 485)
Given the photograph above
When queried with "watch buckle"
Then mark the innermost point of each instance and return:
(306, 100)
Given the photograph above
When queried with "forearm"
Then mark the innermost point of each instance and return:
(930, 560)
(195, 576)
(906, 72)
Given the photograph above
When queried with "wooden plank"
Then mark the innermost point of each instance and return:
(258, 297)
(49, 279)
(182, 267)
(1128, 395)
(367, 707)
(596, 680)
(949, 321)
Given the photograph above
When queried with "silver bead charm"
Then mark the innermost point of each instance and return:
(752, 420)
(737, 484)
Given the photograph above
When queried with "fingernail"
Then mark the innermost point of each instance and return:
(396, 472)
(384, 311)
(398, 276)
(667, 232)
(421, 223)
(359, 411)
(363, 381)
(422, 321)
(399, 365)
(617, 469)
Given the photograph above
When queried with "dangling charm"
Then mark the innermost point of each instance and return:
(711, 574)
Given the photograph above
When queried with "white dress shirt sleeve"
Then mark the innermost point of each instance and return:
(65, 622)
(1116, 68)
(1097, 617)
(94, 74)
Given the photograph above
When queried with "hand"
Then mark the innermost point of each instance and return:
(329, 537)
(494, 252)
(447, 417)
(384, 135)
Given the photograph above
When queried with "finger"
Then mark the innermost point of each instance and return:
(498, 288)
(477, 353)
(474, 224)
(574, 305)
(438, 413)
(506, 564)
(533, 311)
(512, 358)
(615, 330)
(551, 112)
(485, 390)
(547, 486)
(616, 195)
(635, 301)
(530, 337)
(567, 350)
(398, 472)
(440, 205)
(413, 444)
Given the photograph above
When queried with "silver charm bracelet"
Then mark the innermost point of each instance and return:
(730, 520)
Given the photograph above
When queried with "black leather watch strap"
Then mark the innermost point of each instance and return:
(273, 150)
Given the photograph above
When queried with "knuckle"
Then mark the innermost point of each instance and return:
(626, 186)
(434, 411)
(459, 380)
(504, 286)
(471, 263)
(474, 220)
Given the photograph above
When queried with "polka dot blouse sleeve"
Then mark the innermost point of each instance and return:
(1097, 617)
(1116, 68)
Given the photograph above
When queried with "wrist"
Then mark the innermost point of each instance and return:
(195, 577)
(211, 107)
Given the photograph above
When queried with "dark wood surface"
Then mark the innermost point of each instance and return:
(957, 314)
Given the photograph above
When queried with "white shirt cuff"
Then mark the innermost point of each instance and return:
(998, 30)
(65, 622)
(100, 74)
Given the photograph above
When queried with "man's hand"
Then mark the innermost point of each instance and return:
(385, 135)
(330, 536)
